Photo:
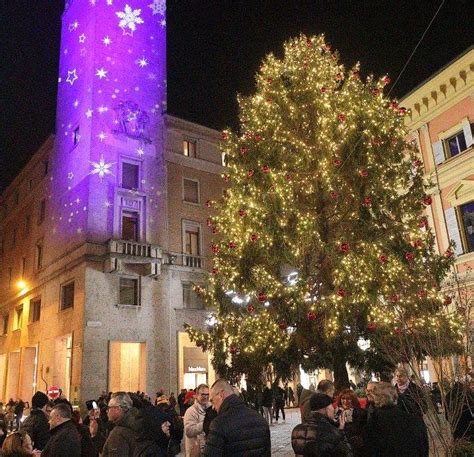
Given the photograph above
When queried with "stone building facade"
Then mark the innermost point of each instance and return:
(103, 233)
(440, 119)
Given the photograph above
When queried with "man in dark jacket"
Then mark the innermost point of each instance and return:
(121, 441)
(237, 430)
(65, 440)
(318, 436)
(36, 424)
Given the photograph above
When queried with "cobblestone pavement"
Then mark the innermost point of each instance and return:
(281, 433)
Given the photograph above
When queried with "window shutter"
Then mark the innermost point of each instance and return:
(438, 152)
(453, 229)
(468, 133)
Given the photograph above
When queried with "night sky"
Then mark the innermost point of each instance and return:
(214, 50)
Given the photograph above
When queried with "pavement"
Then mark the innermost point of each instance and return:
(281, 433)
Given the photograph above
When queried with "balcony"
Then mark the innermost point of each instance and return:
(135, 255)
(186, 260)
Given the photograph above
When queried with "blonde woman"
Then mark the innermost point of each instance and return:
(391, 431)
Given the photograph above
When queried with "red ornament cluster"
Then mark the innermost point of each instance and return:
(344, 248)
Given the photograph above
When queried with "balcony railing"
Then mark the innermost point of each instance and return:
(134, 248)
(185, 260)
(192, 261)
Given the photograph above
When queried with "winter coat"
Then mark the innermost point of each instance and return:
(392, 432)
(65, 441)
(238, 431)
(413, 400)
(303, 402)
(121, 440)
(193, 427)
(87, 446)
(36, 425)
(319, 437)
(267, 398)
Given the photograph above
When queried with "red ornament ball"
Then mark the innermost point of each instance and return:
(253, 237)
(341, 292)
(375, 92)
(427, 201)
(250, 308)
(394, 104)
(376, 141)
(364, 173)
(367, 201)
(225, 136)
(244, 150)
(448, 253)
(383, 259)
(418, 243)
(215, 271)
(447, 300)
(409, 256)
(417, 163)
(282, 325)
(323, 90)
(269, 80)
(371, 327)
(258, 137)
(250, 173)
(333, 195)
(337, 162)
(262, 297)
(339, 77)
(226, 178)
(242, 213)
(395, 298)
(266, 169)
(344, 248)
(311, 316)
(342, 117)
(422, 293)
(423, 223)
(215, 249)
(233, 350)
(402, 111)
(214, 230)
(386, 80)
(232, 245)
(356, 74)
(288, 177)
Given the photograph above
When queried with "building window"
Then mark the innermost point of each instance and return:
(45, 167)
(190, 190)
(192, 244)
(466, 216)
(130, 175)
(191, 299)
(41, 211)
(76, 136)
(130, 226)
(18, 323)
(128, 294)
(35, 310)
(456, 144)
(190, 148)
(27, 224)
(67, 296)
(5, 324)
(39, 255)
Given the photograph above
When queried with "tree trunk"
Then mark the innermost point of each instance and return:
(341, 378)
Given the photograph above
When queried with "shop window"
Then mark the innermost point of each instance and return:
(130, 175)
(128, 294)
(466, 216)
(190, 190)
(35, 310)
(130, 226)
(18, 322)
(190, 148)
(67, 296)
(191, 299)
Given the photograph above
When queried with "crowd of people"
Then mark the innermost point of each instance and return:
(222, 421)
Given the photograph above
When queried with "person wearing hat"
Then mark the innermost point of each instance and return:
(36, 424)
(319, 436)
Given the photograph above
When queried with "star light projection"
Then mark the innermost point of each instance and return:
(105, 94)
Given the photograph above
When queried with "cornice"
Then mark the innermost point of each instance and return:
(443, 90)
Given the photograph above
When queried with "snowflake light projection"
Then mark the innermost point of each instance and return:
(101, 168)
(158, 7)
(129, 19)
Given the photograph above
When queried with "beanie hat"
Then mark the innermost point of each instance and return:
(39, 400)
(319, 401)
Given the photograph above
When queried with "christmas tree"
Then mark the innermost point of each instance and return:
(320, 239)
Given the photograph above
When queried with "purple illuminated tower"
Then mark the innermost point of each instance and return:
(111, 96)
